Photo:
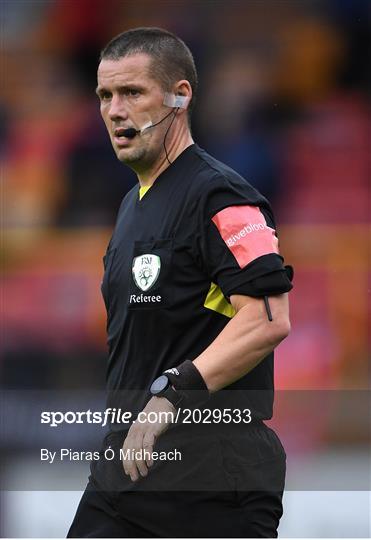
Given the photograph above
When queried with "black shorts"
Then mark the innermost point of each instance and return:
(229, 486)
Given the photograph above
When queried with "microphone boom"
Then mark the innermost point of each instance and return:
(130, 133)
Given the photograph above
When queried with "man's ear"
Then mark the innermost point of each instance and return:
(183, 89)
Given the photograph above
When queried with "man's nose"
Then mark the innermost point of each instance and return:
(117, 109)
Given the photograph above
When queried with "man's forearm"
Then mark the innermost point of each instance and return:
(244, 342)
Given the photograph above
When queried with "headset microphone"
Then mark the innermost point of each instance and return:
(130, 133)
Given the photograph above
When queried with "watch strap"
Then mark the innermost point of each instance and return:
(188, 382)
(173, 396)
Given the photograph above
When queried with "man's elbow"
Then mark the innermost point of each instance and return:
(278, 330)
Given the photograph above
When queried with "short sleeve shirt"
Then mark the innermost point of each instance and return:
(199, 235)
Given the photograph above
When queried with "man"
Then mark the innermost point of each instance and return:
(196, 298)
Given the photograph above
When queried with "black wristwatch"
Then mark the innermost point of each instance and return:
(162, 387)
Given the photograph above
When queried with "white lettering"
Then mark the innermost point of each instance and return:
(142, 298)
(70, 417)
(57, 418)
(66, 454)
(97, 418)
(174, 455)
(126, 417)
(45, 417)
(79, 416)
(46, 455)
(144, 455)
(247, 229)
(125, 454)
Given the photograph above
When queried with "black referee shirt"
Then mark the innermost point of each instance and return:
(200, 234)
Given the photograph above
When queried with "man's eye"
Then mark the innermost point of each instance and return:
(105, 96)
(133, 92)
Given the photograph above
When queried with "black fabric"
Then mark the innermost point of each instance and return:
(186, 377)
(247, 466)
(253, 514)
(188, 382)
(277, 282)
(97, 518)
(152, 330)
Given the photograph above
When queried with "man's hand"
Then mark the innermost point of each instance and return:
(155, 418)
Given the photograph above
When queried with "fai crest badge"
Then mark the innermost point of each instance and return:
(146, 269)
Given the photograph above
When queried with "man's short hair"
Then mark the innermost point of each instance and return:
(172, 60)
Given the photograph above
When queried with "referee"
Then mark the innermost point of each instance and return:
(196, 298)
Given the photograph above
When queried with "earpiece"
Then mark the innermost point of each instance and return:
(176, 102)
(181, 101)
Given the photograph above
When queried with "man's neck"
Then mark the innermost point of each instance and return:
(174, 148)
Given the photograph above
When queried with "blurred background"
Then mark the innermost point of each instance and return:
(283, 100)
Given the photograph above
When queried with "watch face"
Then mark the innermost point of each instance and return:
(159, 385)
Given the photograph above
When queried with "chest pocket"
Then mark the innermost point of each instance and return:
(150, 280)
(105, 287)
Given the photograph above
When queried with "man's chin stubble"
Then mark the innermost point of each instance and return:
(138, 160)
(130, 158)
